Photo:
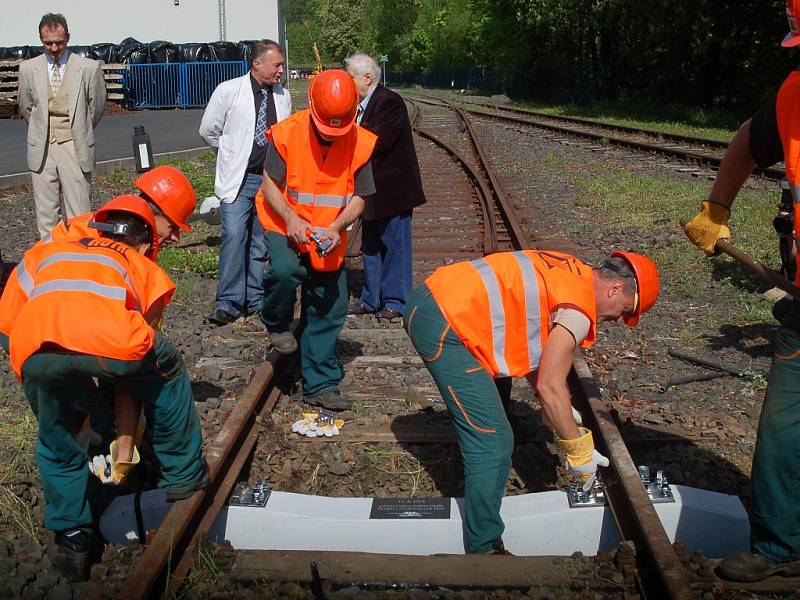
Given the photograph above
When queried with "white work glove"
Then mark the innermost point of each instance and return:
(309, 427)
(108, 470)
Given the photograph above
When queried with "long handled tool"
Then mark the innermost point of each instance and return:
(760, 269)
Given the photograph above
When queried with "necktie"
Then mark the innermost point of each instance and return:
(360, 114)
(55, 80)
(264, 119)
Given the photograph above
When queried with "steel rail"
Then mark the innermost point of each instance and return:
(605, 138)
(661, 573)
(503, 203)
(485, 196)
(170, 550)
(674, 137)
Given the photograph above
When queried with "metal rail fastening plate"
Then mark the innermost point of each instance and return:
(255, 495)
(657, 489)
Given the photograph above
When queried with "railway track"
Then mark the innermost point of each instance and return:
(468, 215)
(699, 152)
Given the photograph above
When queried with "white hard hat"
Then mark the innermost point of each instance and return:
(209, 210)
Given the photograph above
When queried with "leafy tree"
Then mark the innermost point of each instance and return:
(341, 27)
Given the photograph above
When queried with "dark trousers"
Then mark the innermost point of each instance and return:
(55, 382)
(323, 309)
(387, 262)
(775, 521)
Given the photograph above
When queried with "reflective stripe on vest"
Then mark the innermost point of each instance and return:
(80, 285)
(532, 309)
(88, 257)
(498, 314)
(327, 200)
(24, 278)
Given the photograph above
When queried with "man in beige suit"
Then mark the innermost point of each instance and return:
(62, 96)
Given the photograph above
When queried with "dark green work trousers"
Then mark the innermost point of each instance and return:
(472, 398)
(55, 382)
(323, 309)
(775, 521)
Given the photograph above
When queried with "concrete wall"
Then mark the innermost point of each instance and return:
(178, 21)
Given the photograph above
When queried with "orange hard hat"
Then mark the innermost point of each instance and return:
(792, 14)
(646, 284)
(333, 98)
(171, 192)
(134, 205)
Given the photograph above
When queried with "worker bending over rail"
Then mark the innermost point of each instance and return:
(512, 314)
(772, 135)
(316, 173)
(84, 307)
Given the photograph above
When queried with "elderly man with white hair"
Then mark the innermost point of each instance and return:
(386, 220)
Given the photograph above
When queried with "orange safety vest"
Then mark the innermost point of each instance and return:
(318, 188)
(14, 297)
(788, 113)
(85, 295)
(500, 306)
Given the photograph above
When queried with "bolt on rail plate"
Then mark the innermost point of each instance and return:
(657, 489)
(246, 495)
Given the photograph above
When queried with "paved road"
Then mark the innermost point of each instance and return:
(169, 130)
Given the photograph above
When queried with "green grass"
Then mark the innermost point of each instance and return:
(18, 435)
(653, 206)
(180, 260)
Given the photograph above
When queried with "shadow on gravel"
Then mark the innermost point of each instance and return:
(534, 467)
(203, 390)
(753, 340)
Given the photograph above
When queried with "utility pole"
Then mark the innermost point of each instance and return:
(383, 58)
(221, 18)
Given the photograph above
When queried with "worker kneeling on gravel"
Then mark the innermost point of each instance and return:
(316, 173)
(477, 324)
(90, 309)
(770, 136)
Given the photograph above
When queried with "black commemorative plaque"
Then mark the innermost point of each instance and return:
(410, 508)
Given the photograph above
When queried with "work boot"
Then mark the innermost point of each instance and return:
(72, 553)
(331, 401)
(499, 548)
(283, 342)
(357, 309)
(749, 566)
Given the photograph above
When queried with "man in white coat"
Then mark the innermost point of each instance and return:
(235, 124)
(62, 96)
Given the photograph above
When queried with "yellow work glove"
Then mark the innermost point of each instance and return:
(582, 458)
(709, 226)
(108, 470)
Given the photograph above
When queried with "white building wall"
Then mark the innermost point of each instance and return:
(177, 21)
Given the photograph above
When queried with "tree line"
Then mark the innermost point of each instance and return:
(710, 53)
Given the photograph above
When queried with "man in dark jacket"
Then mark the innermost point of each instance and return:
(386, 221)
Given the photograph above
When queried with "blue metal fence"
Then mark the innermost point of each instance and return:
(177, 85)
